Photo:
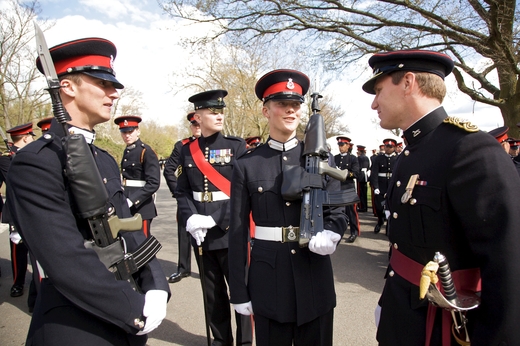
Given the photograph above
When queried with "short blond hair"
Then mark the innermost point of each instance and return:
(430, 84)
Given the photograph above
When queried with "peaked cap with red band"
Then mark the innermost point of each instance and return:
(24, 129)
(390, 141)
(190, 116)
(282, 85)
(342, 139)
(407, 60)
(500, 133)
(92, 56)
(127, 122)
(361, 147)
(45, 124)
(253, 140)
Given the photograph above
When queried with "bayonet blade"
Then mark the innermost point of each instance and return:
(45, 58)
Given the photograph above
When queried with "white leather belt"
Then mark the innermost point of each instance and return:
(134, 183)
(282, 234)
(386, 175)
(209, 196)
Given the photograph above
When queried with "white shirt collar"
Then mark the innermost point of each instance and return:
(90, 137)
(290, 144)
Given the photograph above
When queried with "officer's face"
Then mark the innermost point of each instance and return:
(389, 103)
(210, 122)
(343, 147)
(130, 137)
(284, 118)
(90, 101)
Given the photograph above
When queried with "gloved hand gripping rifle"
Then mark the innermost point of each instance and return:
(87, 186)
(308, 183)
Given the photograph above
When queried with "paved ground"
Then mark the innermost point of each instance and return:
(358, 268)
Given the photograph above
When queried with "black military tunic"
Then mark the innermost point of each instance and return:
(19, 251)
(382, 168)
(80, 300)
(221, 152)
(362, 178)
(140, 164)
(349, 162)
(184, 238)
(286, 283)
(466, 208)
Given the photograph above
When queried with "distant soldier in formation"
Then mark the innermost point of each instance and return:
(20, 136)
(362, 179)
(170, 175)
(253, 142)
(140, 170)
(381, 173)
(45, 124)
(500, 134)
(203, 190)
(514, 150)
(345, 160)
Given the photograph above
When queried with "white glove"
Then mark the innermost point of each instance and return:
(199, 221)
(244, 308)
(377, 314)
(155, 302)
(377, 192)
(15, 237)
(129, 202)
(324, 243)
(198, 226)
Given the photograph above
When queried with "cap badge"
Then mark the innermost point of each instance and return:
(112, 62)
(125, 123)
(290, 84)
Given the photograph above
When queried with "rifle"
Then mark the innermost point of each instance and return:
(310, 181)
(88, 189)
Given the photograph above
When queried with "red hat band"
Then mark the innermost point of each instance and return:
(128, 123)
(288, 86)
(90, 61)
(502, 138)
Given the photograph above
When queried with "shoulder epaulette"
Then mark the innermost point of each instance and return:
(463, 124)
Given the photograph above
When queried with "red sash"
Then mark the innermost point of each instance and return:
(207, 169)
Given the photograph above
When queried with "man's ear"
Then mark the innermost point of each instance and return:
(265, 111)
(68, 87)
(409, 81)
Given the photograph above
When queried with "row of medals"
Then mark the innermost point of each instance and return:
(219, 156)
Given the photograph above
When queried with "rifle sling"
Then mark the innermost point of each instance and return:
(340, 198)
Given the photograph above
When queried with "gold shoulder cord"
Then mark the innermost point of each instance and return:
(463, 124)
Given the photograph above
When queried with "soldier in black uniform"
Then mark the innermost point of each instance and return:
(500, 134)
(203, 182)
(345, 160)
(289, 289)
(140, 170)
(80, 301)
(382, 168)
(444, 197)
(21, 135)
(184, 238)
(362, 178)
(514, 149)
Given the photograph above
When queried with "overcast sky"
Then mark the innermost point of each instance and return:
(148, 52)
